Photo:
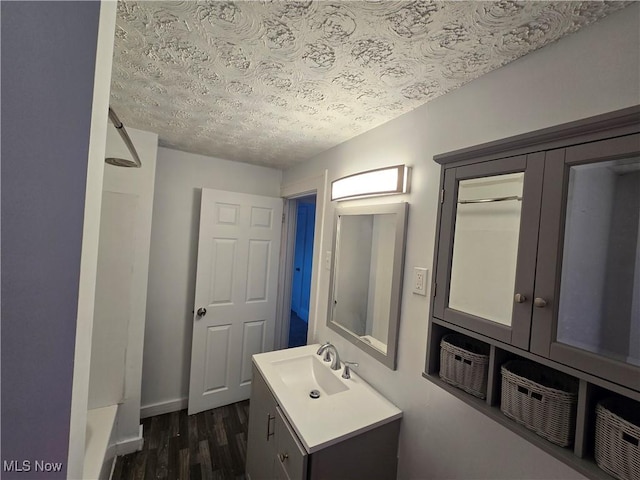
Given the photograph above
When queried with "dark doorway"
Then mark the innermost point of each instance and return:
(302, 262)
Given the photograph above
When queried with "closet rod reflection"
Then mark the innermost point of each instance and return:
(489, 200)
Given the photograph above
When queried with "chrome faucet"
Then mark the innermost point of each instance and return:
(327, 349)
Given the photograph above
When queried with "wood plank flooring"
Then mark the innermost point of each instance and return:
(211, 445)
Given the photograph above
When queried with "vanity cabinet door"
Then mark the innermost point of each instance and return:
(261, 440)
(291, 458)
(487, 247)
(587, 289)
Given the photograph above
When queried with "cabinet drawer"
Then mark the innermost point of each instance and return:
(291, 458)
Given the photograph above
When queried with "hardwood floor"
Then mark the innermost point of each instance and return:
(211, 445)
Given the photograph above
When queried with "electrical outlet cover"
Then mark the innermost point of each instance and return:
(420, 281)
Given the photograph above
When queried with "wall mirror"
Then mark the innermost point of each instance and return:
(366, 277)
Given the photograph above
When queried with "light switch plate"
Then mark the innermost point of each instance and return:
(420, 280)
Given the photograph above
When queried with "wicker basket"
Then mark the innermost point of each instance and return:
(464, 363)
(618, 438)
(541, 399)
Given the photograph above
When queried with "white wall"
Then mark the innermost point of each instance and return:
(172, 268)
(593, 71)
(113, 299)
(121, 283)
(634, 331)
(383, 247)
(352, 283)
(619, 288)
(90, 238)
(585, 259)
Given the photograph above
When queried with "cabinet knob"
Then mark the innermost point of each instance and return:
(282, 457)
(540, 302)
(519, 298)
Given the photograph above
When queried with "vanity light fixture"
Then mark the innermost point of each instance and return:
(381, 181)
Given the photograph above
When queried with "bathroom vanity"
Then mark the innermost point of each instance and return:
(344, 430)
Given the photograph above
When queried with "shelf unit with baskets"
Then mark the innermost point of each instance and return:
(580, 453)
(507, 332)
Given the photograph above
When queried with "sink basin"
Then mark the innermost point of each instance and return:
(344, 409)
(306, 373)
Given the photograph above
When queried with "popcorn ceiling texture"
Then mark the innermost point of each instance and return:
(274, 83)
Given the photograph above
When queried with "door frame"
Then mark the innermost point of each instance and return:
(291, 191)
(303, 256)
(90, 239)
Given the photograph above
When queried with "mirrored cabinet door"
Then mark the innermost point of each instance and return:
(491, 213)
(591, 316)
(485, 246)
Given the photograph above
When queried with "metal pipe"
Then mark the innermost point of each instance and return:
(121, 162)
(488, 200)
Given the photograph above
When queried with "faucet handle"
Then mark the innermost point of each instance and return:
(347, 369)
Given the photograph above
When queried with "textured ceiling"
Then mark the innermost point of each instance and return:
(275, 83)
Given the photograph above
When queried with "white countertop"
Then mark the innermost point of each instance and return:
(331, 418)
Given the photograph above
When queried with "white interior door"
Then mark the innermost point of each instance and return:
(236, 283)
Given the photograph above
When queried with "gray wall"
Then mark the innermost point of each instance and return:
(48, 60)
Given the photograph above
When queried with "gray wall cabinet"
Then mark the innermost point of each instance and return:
(538, 256)
(275, 452)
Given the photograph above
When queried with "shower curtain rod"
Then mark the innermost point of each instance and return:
(125, 137)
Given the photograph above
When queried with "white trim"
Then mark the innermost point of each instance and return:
(285, 276)
(164, 407)
(99, 454)
(304, 187)
(131, 445)
(301, 188)
(113, 464)
(90, 233)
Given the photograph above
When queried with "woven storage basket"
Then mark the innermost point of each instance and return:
(618, 438)
(541, 399)
(464, 363)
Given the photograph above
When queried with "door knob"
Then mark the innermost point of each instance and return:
(540, 302)
(519, 298)
(201, 312)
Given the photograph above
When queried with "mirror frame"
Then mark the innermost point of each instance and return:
(401, 210)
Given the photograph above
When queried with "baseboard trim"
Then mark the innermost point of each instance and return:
(131, 445)
(164, 407)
